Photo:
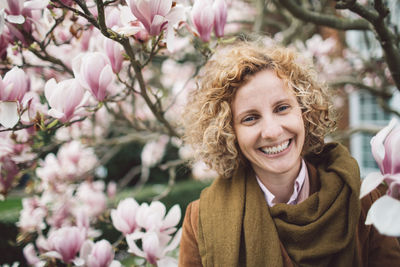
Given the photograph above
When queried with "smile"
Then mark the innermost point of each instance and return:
(276, 149)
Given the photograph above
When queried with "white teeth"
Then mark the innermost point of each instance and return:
(275, 149)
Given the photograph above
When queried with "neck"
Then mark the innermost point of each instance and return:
(281, 186)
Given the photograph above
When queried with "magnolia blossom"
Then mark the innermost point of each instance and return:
(158, 15)
(124, 217)
(32, 215)
(31, 256)
(201, 171)
(152, 217)
(154, 246)
(14, 9)
(65, 98)
(65, 243)
(220, 15)
(94, 72)
(92, 196)
(151, 13)
(99, 254)
(13, 87)
(153, 151)
(203, 18)
(76, 159)
(15, 13)
(384, 214)
(71, 163)
(115, 53)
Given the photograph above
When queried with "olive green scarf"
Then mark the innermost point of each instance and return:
(237, 228)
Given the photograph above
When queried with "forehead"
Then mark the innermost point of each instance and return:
(264, 85)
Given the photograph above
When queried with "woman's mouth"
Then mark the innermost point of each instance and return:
(276, 149)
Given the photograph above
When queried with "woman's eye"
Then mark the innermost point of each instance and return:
(249, 119)
(282, 108)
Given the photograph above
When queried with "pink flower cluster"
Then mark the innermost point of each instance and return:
(65, 243)
(384, 214)
(71, 163)
(208, 15)
(151, 225)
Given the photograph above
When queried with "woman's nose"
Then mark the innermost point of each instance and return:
(271, 128)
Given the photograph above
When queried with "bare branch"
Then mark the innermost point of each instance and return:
(47, 57)
(369, 129)
(324, 19)
(387, 39)
(86, 14)
(377, 92)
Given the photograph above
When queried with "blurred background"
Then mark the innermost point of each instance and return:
(128, 143)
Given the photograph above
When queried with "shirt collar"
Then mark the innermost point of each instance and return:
(296, 196)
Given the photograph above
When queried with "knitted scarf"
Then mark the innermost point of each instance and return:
(237, 228)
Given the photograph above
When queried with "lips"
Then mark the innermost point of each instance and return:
(276, 149)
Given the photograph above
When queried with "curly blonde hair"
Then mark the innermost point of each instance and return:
(208, 116)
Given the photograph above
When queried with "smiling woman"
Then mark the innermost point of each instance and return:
(284, 197)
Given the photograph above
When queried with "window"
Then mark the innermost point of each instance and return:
(365, 111)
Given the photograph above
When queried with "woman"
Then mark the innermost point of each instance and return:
(283, 198)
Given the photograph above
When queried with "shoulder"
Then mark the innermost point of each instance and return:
(192, 217)
(189, 252)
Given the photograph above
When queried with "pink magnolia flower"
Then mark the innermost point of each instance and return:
(99, 254)
(31, 256)
(124, 217)
(155, 246)
(157, 16)
(13, 87)
(154, 151)
(93, 197)
(220, 15)
(203, 18)
(15, 13)
(153, 218)
(115, 53)
(384, 214)
(5, 40)
(75, 160)
(151, 13)
(94, 73)
(201, 171)
(65, 243)
(32, 215)
(111, 189)
(65, 98)
(18, 7)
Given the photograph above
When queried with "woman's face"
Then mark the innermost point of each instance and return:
(269, 125)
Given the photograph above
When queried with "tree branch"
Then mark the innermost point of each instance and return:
(323, 19)
(386, 38)
(360, 85)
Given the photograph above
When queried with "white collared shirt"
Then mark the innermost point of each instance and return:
(301, 188)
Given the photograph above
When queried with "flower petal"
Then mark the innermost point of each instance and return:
(9, 115)
(370, 183)
(19, 19)
(377, 143)
(173, 217)
(384, 214)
